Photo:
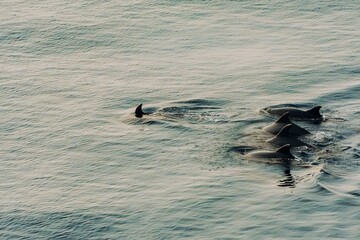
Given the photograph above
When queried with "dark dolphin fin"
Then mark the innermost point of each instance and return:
(315, 111)
(284, 132)
(284, 118)
(138, 111)
(285, 150)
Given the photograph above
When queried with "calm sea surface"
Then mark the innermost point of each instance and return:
(77, 164)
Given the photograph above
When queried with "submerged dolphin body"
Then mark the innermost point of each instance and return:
(139, 112)
(284, 137)
(284, 120)
(283, 153)
(296, 113)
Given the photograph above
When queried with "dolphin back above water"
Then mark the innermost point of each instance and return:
(139, 112)
(284, 120)
(297, 113)
(284, 137)
(283, 153)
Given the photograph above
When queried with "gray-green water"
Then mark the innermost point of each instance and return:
(77, 164)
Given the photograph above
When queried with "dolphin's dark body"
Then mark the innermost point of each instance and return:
(283, 138)
(139, 112)
(296, 113)
(283, 153)
(284, 120)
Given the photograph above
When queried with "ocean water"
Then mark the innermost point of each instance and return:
(77, 164)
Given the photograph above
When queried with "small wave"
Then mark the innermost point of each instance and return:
(337, 181)
(331, 189)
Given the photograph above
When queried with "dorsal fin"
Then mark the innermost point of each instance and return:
(285, 150)
(138, 111)
(284, 118)
(315, 111)
(284, 132)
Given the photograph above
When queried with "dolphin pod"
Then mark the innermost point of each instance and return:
(285, 131)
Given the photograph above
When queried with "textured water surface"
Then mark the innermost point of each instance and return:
(77, 164)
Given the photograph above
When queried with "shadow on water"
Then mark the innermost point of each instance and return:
(288, 180)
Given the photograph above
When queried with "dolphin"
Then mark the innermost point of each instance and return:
(284, 137)
(284, 120)
(296, 113)
(283, 153)
(139, 112)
